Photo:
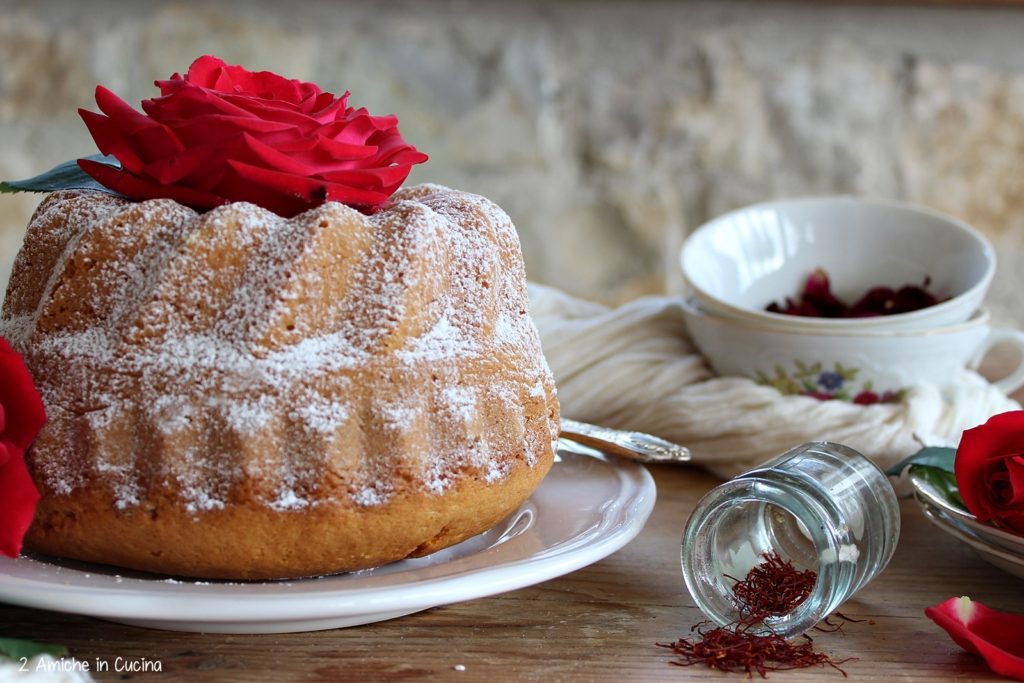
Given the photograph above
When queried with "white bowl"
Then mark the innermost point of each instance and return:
(739, 263)
(848, 364)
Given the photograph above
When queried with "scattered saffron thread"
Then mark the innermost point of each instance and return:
(771, 588)
(826, 625)
(737, 650)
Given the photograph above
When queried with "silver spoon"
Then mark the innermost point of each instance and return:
(625, 444)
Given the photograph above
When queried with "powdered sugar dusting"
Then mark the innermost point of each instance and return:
(323, 417)
(288, 500)
(461, 401)
(247, 350)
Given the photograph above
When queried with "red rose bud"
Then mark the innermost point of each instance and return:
(997, 636)
(21, 417)
(989, 468)
(222, 134)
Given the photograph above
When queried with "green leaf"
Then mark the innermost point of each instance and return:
(66, 176)
(16, 649)
(933, 456)
(941, 480)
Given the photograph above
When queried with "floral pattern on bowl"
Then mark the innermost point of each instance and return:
(814, 380)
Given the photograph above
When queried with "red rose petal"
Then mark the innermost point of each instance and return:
(818, 293)
(156, 142)
(204, 129)
(120, 135)
(274, 110)
(210, 72)
(356, 130)
(1012, 520)
(137, 188)
(167, 86)
(24, 414)
(1015, 469)
(111, 140)
(18, 498)
(280, 195)
(190, 165)
(341, 150)
(185, 101)
(205, 70)
(267, 157)
(387, 122)
(129, 120)
(311, 190)
(377, 178)
(997, 636)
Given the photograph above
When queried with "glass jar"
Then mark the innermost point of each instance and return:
(822, 506)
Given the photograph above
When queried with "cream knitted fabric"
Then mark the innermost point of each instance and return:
(635, 367)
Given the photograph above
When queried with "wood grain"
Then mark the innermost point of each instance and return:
(598, 624)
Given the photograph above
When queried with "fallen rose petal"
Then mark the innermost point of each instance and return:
(997, 636)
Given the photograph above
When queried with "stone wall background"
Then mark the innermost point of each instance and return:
(606, 128)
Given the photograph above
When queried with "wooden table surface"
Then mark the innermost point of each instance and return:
(598, 624)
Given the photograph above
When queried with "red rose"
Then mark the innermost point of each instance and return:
(997, 636)
(21, 418)
(989, 469)
(224, 134)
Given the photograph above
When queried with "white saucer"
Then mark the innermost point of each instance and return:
(1003, 558)
(587, 508)
(927, 494)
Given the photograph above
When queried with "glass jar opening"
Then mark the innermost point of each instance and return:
(741, 534)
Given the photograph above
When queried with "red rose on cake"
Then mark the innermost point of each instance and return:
(222, 133)
(21, 418)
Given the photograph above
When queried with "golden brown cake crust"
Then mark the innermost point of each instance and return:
(244, 542)
(236, 395)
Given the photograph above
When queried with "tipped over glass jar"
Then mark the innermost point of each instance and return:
(822, 507)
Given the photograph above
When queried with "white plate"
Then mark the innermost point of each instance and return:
(586, 508)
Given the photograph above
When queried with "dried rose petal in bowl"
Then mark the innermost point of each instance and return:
(817, 300)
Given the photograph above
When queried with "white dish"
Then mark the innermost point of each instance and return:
(740, 262)
(588, 507)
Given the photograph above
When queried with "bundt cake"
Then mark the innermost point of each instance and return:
(233, 394)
